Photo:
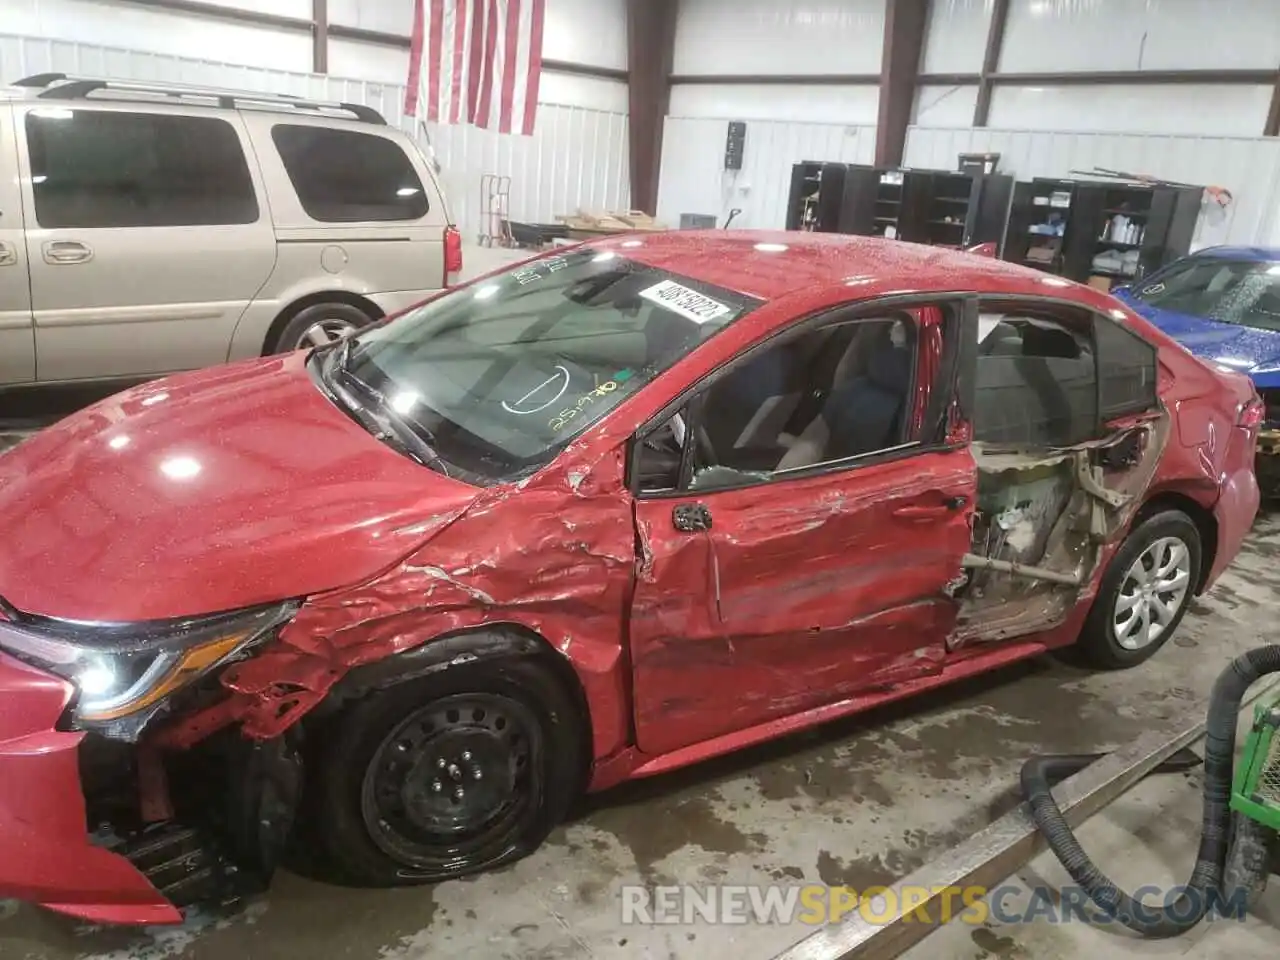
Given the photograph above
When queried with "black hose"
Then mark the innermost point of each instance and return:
(1204, 888)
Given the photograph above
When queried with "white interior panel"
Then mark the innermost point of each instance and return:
(815, 103)
(1248, 167)
(1217, 110)
(694, 180)
(764, 36)
(301, 9)
(368, 61)
(956, 38)
(131, 26)
(389, 16)
(945, 106)
(570, 90)
(586, 31)
(1141, 35)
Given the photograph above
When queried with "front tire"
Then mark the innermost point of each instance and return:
(1144, 593)
(447, 775)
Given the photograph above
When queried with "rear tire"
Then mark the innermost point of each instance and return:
(319, 324)
(446, 775)
(1144, 593)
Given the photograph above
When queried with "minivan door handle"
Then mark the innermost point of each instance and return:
(66, 251)
(8, 254)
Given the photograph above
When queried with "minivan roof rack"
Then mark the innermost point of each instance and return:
(62, 86)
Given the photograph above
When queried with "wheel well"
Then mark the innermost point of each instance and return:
(1205, 522)
(371, 309)
(491, 641)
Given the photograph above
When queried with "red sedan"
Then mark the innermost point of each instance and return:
(610, 512)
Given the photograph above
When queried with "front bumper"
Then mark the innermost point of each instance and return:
(45, 853)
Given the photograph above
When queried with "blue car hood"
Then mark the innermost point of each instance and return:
(1246, 349)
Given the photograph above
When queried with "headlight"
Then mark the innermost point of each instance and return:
(124, 672)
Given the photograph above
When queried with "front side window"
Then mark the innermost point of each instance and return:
(110, 168)
(833, 394)
(1241, 292)
(343, 176)
(1035, 383)
(495, 379)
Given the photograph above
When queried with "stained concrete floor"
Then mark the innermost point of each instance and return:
(858, 802)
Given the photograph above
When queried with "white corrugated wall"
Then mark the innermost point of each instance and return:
(577, 158)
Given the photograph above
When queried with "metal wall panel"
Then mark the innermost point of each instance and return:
(809, 103)
(1249, 168)
(1219, 110)
(956, 39)
(694, 181)
(577, 158)
(1141, 35)
(767, 36)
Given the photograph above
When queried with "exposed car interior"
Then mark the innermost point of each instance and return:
(834, 393)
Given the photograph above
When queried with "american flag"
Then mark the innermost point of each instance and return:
(483, 62)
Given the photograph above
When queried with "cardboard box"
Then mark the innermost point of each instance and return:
(1101, 283)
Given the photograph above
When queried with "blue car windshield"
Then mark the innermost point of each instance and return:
(1242, 292)
(494, 379)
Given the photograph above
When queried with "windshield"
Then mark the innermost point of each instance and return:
(1242, 292)
(494, 379)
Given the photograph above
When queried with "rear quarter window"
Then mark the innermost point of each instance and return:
(1127, 370)
(344, 176)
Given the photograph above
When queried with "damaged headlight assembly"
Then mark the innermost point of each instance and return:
(124, 674)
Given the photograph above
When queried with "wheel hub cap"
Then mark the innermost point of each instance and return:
(325, 331)
(1152, 593)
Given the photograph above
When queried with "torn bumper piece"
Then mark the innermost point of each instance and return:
(45, 853)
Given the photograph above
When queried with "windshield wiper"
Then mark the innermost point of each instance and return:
(379, 416)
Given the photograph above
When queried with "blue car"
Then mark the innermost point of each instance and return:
(1223, 304)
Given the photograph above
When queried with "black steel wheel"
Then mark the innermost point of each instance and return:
(452, 777)
(447, 774)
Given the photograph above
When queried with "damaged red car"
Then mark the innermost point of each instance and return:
(603, 514)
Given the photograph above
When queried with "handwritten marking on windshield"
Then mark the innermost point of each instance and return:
(561, 374)
(560, 420)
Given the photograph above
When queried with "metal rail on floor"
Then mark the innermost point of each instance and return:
(996, 852)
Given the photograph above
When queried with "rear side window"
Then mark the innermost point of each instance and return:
(107, 168)
(1035, 382)
(342, 176)
(1126, 370)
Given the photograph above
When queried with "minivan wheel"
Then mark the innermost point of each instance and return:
(320, 324)
(446, 775)
(1144, 593)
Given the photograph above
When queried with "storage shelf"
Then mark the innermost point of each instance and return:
(1127, 213)
(1118, 245)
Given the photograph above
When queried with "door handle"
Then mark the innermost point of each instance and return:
(8, 254)
(932, 511)
(691, 517)
(66, 251)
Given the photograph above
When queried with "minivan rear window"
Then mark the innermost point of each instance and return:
(112, 168)
(343, 176)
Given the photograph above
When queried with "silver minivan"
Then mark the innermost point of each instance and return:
(149, 228)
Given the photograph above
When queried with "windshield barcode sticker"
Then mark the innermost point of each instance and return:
(688, 303)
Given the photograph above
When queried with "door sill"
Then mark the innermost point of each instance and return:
(632, 764)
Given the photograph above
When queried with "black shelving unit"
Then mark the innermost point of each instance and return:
(1100, 232)
(817, 196)
(951, 209)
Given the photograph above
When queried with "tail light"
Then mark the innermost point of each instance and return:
(452, 255)
(1252, 414)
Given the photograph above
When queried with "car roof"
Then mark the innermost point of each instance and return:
(771, 264)
(1260, 254)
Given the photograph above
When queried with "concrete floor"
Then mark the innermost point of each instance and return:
(858, 802)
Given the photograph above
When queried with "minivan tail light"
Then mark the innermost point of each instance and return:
(452, 255)
(1252, 413)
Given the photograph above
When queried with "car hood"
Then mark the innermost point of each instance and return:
(208, 492)
(1246, 349)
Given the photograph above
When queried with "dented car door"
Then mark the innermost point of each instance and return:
(784, 590)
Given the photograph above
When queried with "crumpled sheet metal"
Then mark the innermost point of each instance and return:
(554, 555)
